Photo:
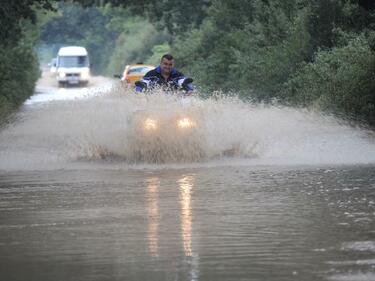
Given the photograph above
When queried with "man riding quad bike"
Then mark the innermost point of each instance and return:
(165, 77)
(172, 134)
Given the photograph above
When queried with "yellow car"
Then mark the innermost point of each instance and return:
(135, 72)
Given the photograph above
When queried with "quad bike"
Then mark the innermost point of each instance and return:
(171, 135)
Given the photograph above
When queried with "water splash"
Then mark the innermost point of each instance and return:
(61, 133)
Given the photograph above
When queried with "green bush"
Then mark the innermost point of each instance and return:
(19, 70)
(340, 80)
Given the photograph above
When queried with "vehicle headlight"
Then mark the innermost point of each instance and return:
(185, 123)
(85, 74)
(150, 124)
(62, 74)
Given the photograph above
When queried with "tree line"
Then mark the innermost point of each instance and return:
(317, 54)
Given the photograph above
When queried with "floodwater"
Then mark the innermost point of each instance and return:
(274, 193)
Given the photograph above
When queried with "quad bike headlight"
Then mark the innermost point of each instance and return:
(150, 124)
(185, 123)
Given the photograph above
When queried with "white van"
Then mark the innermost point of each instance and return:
(72, 66)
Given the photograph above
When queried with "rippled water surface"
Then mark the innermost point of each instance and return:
(275, 193)
(227, 223)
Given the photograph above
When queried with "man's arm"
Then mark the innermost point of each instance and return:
(145, 82)
(187, 84)
(184, 82)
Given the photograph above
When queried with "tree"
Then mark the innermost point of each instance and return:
(13, 12)
(175, 15)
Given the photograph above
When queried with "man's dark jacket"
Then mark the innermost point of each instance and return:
(153, 79)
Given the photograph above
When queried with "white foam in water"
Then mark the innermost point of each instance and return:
(359, 246)
(353, 277)
(57, 134)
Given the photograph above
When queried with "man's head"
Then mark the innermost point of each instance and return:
(166, 64)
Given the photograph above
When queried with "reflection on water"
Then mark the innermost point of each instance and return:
(153, 215)
(186, 186)
(190, 260)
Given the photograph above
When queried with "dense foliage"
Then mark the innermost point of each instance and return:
(304, 53)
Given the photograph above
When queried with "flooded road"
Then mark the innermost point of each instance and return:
(225, 223)
(278, 194)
